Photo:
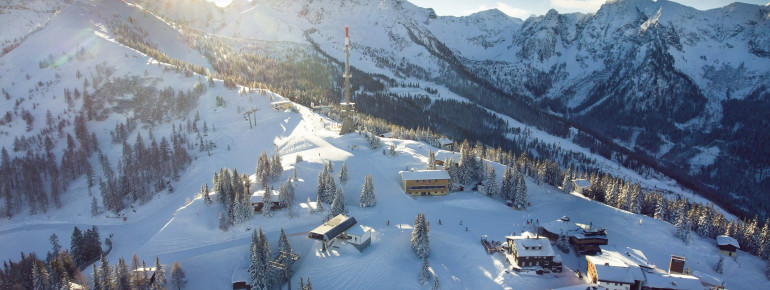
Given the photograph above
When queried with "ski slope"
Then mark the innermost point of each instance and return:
(174, 230)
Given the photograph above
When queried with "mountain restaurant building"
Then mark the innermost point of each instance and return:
(425, 182)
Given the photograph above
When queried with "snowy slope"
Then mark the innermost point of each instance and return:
(173, 230)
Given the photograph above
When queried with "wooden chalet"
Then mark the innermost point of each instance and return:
(533, 252)
(586, 239)
(589, 239)
(580, 185)
(727, 245)
(425, 182)
(446, 144)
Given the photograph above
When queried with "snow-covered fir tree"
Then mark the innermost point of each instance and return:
(206, 195)
(283, 195)
(705, 226)
(267, 204)
(276, 169)
(122, 275)
(368, 197)
(94, 207)
(506, 187)
(566, 184)
(322, 185)
(344, 173)
(425, 274)
(521, 200)
(338, 205)
(611, 194)
(431, 161)
(283, 243)
(492, 189)
(331, 188)
(105, 274)
(160, 276)
(683, 227)
(436, 284)
(392, 151)
(39, 276)
(563, 243)
(420, 238)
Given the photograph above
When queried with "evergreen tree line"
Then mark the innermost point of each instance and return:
(36, 180)
(262, 276)
(136, 276)
(269, 169)
(60, 266)
(234, 193)
(143, 169)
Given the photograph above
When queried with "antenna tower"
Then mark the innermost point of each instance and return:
(348, 107)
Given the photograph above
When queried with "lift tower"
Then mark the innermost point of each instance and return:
(348, 108)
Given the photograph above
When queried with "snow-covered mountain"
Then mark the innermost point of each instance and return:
(656, 77)
(96, 65)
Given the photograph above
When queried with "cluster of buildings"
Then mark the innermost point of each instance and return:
(532, 252)
(585, 239)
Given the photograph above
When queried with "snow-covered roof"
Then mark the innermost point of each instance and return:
(724, 240)
(559, 226)
(620, 267)
(582, 182)
(672, 281)
(445, 141)
(333, 228)
(240, 275)
(424, 174)
(528, 245)
(358, 230)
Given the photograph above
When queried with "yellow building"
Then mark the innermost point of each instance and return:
(425, 182)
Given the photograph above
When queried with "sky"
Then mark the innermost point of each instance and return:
(524, 8)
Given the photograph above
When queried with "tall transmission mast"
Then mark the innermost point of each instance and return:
(348, 107)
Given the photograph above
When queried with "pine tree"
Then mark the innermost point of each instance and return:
(308, 285)
(39, 276)
(276, 169)
(283, 243)
(492, 189)
(160, 276)
(683, 227)
(368, 198)
(392, 151)
(105, 274)
(431, 161)
(178, 276)
(506, 187)
(562, 243)
(206, 196)
(122, 275)
(97, 283)
(420, 239)
(566, 184)
(76, 249)
(424, 272)
(331, 189)
(94, 207)
(436, 285)
(301, 284)
(254, 266)
(338, 205)
(705, 226)
(611, 195)
(260, 261)
(322, 185)
(344, 173)
(283, 195)
(521, 199)
(267, 204)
